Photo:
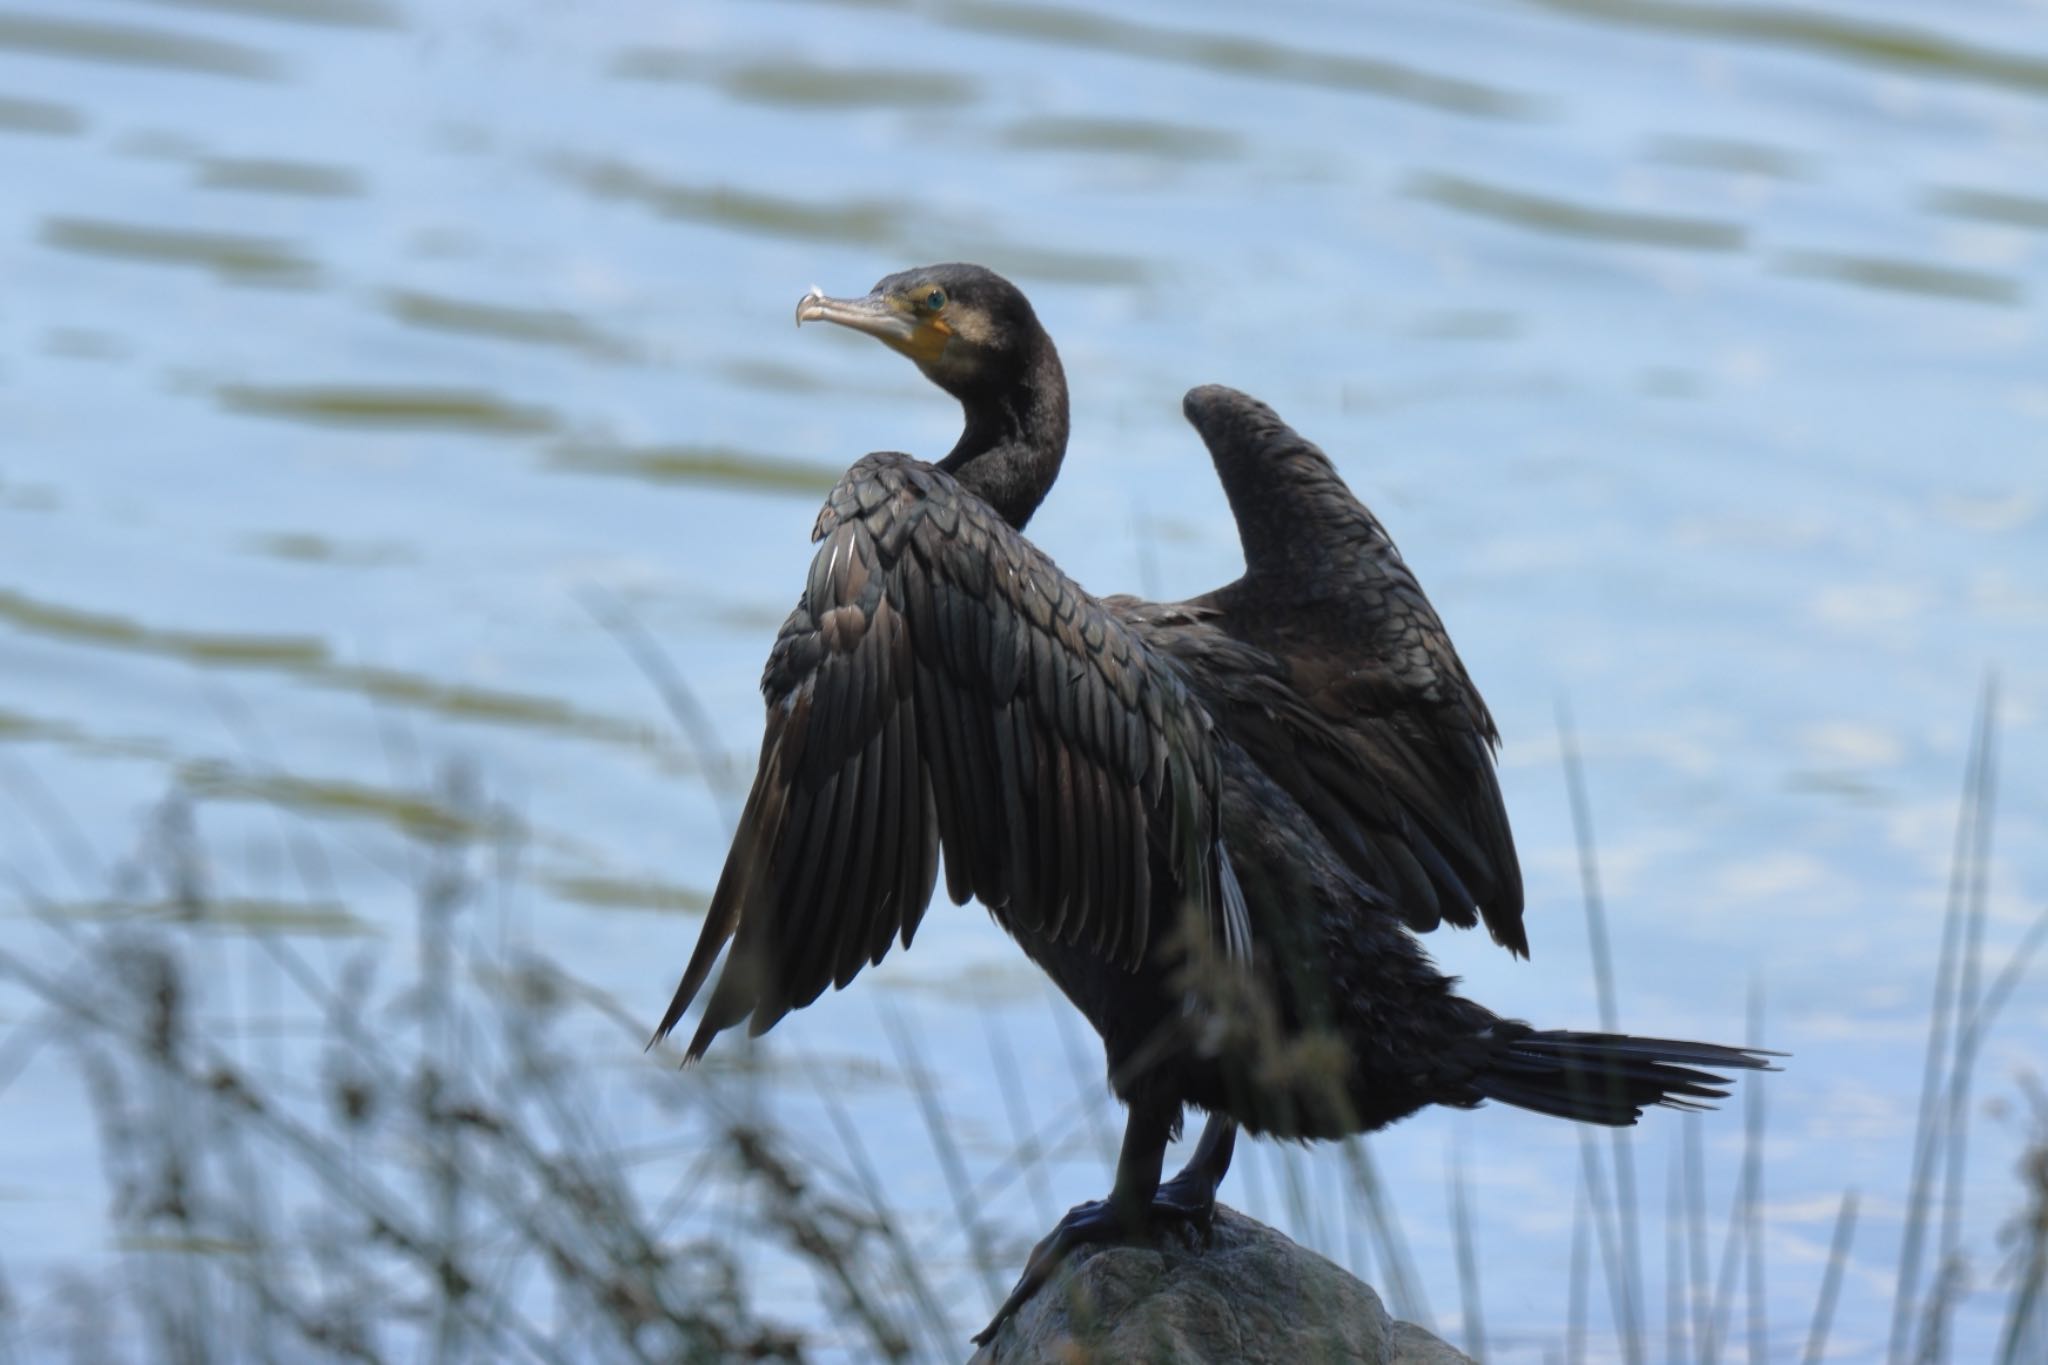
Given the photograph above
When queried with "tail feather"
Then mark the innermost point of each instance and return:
(1610, 1078)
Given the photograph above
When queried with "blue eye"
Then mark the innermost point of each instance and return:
(935, 300)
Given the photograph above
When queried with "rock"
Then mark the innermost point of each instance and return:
(1244, 1295)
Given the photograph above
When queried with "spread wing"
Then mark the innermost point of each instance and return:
(1360, 706)
(943, 685)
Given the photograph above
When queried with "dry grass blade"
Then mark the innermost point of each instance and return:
(1403, 1284)
(10, 1327)
(979, 1243)
(1625, 1278)
(1753, 1192)
(1696, 1243)
(2025, 1337)
(2008, 978)
(1831, 1285)
(1593, 1175)
(1674, 1266)
(1468, 1263)
(1732, 1239)
(1304, 1212)
(1029, 1152)
(1575, 1310)
(689, 714)
(47, 815)
(825, 1235)
(1927, 1135)
(1955, 1128)
(942, 1336)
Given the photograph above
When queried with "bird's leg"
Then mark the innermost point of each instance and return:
(1192, 1193)
(1127, 1211)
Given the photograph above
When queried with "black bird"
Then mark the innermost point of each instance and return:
(1215, 824)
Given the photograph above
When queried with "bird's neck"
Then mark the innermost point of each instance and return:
(1010, 452)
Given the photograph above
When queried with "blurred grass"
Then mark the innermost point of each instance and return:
(442, 1184)
(445, 1190)
(1924, 1299)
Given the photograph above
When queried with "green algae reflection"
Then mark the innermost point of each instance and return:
(309, 660)
(347, 405)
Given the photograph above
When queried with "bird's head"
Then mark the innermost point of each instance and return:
(967, 328)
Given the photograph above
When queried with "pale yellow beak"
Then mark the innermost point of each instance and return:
(891, 320)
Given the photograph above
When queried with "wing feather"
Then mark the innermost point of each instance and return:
(953, 813)
(1377, 729)
(943, 689)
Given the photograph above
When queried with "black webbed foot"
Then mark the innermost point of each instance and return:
(1138, 1203)
(1094, 1221)
(1181, 1200)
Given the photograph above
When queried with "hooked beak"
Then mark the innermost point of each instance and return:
(881, 316)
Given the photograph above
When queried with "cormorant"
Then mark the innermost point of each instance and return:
(1215, 824)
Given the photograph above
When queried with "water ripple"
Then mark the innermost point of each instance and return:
(627, 893)
(265, 261)
(1127, 137)
(1826, 35)
(501, 322)
(1906, 277)
(39, 116)
(866, 222)
(405, 408)
(1239, 55)
(1992, 206)
(797, 84)
(242, 914)
(416, 815)
(1468, 324)
(1564, 218)
(1730, 154)
(273, 176)
(309, 660)
(306, 547)
(96, 628)
(335, 13)
(134, 45)
(693, 464)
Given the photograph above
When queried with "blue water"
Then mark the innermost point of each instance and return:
(357, 355)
